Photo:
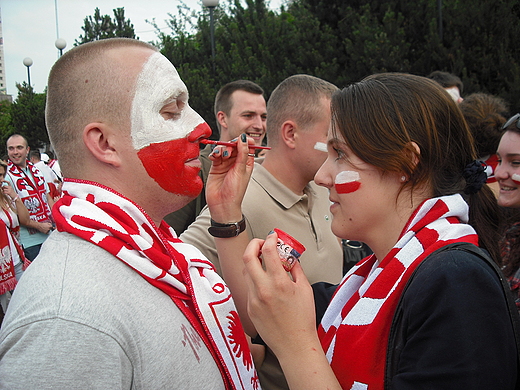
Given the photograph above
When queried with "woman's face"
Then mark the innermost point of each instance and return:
(507, 172)
(2, 173)
(362, 197)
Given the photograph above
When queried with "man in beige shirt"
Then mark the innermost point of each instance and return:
(281, 193)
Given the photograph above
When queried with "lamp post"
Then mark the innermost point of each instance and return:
(27, 61)
(211, 4)
(60, 45)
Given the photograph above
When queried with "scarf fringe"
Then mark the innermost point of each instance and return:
(8, 285)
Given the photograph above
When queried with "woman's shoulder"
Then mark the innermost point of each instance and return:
(458, 262)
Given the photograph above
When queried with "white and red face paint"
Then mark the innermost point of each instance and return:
(164, 146)
(347, 182)
(516, 178)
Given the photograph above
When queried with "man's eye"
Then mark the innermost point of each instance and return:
(170, 115)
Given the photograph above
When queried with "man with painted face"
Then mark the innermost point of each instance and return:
(115, 300)
(239, 108)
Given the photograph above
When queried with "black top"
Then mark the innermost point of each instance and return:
(452, 328)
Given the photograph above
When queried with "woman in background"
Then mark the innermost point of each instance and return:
(485, 115)
(12, 259)
(507, 174)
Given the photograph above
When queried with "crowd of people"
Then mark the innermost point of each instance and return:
(150, 261)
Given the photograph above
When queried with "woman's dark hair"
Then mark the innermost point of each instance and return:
(380, 117)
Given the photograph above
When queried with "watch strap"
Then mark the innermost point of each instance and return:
(227, 230)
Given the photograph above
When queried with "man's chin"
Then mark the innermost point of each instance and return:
(191, 189)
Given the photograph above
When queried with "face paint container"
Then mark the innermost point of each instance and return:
(289, 249)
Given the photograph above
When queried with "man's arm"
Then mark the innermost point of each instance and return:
(197, 235)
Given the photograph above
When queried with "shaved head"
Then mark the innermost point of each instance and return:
(91, 83)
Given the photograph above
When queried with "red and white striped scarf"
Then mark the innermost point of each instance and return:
(8, 245)
(355, 329)
(107, 219)
(31, 189)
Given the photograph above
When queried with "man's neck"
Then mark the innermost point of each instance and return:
(283, 171)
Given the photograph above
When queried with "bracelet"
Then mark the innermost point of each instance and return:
(16, 198)
(227, 230)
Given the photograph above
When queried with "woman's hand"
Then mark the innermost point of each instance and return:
(281, 309)
(228, 179)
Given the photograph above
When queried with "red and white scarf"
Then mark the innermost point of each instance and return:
(31, 189)
(8, 245)
(355, 329)
(116, 224)
(491, 166)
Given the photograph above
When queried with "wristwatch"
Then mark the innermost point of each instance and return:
(227, 230)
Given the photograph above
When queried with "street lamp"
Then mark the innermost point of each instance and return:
(211, 4)
(60, 45)
(27, 61)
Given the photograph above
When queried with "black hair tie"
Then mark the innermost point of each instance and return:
(475, 175)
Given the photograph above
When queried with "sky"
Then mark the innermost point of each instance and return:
(29, 29)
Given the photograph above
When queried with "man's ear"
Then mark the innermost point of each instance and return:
(99, 140)
(289, 133)
(222, 119)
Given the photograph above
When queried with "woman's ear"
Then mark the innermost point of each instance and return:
(99, 140)
(412, 152)
(415, 156)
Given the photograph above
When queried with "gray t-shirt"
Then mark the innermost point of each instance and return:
(82, 319)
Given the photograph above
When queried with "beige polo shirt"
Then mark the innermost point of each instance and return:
(269, 204)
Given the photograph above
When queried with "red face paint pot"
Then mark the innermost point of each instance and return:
(289, 249)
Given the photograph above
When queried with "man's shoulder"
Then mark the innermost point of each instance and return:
(72, 277)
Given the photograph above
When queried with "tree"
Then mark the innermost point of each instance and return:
(28, 117)
(5, 122)
(478, 42)
(252, 42)
(103, 27)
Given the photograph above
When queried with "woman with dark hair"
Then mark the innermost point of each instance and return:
(429, 308)
(507, 174)
(485, 115)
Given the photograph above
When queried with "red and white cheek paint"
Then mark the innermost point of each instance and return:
(516, 178)
(347, 182)
(165, 146)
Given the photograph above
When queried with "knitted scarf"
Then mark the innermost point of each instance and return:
(107, 219)
(31, 190)
(8, 245)
(355, 328)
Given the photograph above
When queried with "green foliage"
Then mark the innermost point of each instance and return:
(27, 117)
(252, 42)
(103, 27)
(339, 41)
(342, 42)
(5, 121)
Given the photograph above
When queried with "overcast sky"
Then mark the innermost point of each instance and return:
(29, 30)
